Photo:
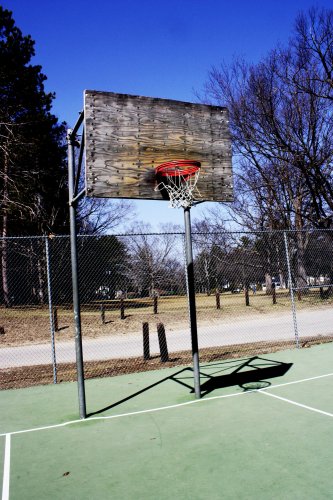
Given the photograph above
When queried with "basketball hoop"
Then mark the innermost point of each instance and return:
(178, 178)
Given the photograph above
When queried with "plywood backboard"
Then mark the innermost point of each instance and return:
(127, 137)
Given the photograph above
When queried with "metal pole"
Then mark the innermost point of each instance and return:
(49, 292)
(77, 124)
(75, 278)
(293, 304)
(191, 301)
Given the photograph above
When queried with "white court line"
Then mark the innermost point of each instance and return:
(296, 382)
(140, 412)
(6, 469)
(297, 404)
(162, 408)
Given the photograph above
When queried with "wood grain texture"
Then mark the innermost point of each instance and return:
(128, 136)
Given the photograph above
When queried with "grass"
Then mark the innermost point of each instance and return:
(32, 325)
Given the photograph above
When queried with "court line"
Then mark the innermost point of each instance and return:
(6, 469)
(119, 415)
(297, 404)
(296, 382)
(162, 408)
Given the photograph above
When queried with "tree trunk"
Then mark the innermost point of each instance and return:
(207, 277)
(4, 263)
(41, 280)
(282, 280)
(301, 281)
(268, 282)
(4, 246)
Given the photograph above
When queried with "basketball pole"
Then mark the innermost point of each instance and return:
(191, 301)
(75, 279)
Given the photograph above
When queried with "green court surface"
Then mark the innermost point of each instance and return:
(263, 430)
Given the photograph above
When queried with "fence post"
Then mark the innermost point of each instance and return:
(291, 289)
(155, 304)
(162, 343)
(217, 297)
(55, 319)
(146, 349)
(122, 309)
(274, 293)
(103, 314)
(247, 298)
(52, 318)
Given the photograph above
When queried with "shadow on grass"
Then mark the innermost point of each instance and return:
(249, 374)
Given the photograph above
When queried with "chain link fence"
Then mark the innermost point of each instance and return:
(255, 293)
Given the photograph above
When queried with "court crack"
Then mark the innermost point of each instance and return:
(158, 431)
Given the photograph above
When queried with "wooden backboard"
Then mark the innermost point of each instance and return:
(128, 136)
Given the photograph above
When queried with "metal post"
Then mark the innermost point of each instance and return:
(75, 279)
(191, 301)
(293, 305)
(52, 326)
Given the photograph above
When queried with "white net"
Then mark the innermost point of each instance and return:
(181, 189)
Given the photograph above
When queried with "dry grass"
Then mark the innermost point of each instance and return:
(32, 325)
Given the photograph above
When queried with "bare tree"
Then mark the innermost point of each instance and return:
(101, 215)
(313, 44)
(154, 261)
(209, 242)
(282, 124)
(282, 128)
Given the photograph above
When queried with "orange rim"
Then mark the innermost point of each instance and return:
(177, 168)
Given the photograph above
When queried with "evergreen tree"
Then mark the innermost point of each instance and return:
(32, 150)
(33, 193)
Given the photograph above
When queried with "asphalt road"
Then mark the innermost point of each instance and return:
(266, 328)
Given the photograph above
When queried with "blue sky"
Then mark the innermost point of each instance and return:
(145, 47)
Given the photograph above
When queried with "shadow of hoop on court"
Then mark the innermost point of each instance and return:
(250, 374)
(149, 387)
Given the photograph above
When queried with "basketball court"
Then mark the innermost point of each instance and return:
(255, 427)
(262, 429)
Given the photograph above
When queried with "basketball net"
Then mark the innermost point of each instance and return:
(179, 179)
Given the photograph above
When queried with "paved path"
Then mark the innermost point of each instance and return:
(259, 328)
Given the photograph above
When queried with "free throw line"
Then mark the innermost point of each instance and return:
(6, 469)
